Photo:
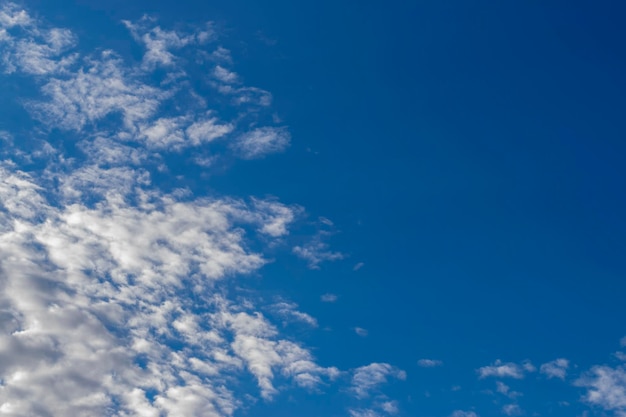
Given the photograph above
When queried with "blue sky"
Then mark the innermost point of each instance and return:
(355, 209)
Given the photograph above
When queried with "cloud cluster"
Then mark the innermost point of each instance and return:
(115, 294)
(28, 48)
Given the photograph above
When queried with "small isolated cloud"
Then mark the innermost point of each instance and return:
(606, 388)
(367, 379)
(555, 369)
(622, 342)
(262, 142)
(505, 370)
(358, 266)
(361, 331)
(512, 410)
(429, 363)
(328, 298)
(461, 413)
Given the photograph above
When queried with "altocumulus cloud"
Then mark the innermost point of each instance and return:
(115, 296)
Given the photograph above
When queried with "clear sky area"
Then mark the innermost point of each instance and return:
(313, 209)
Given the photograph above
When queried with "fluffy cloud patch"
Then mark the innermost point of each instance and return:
(102, 88)
(261, 142)
(606, 388)
(505, 370)
(555, 369)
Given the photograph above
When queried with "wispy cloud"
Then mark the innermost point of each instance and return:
(505, 390)
(361, 331)
(462, 413)
(262, 142)
(35, 49)
(159, 43)
(317, 251)
(329, 298)
(289, 312)
(367, 379)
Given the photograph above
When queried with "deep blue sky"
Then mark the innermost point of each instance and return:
(470, 154)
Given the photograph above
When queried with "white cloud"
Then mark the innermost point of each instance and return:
(261, 142)
(461, 413)
(224, 75)
(504, 389)
(90, 95)
(117, 296)
(555, 369)
(13, 15)
(152, 254)
(222, 54)
(329, 298)
(159, 43)
(505, 370)
(606, 388)
(429, 363)
(175, 133)
(369, 378)
(390, 407)
(512, 410)
(246, 95)
(361, 412)
(207, 130)
(277, 217)
(36, 50)
(317, 251)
